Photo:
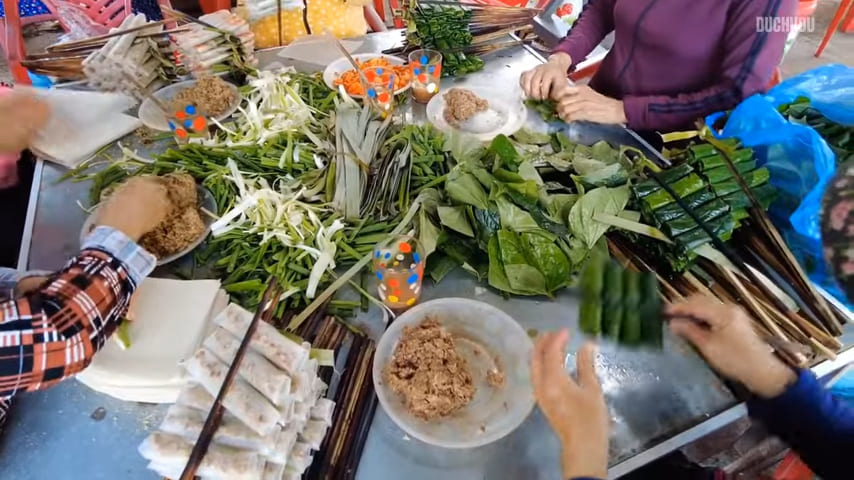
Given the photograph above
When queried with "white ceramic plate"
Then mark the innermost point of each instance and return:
(154, 118)
(506, 116)
(338, 67)
(207, 202)
(482, 333)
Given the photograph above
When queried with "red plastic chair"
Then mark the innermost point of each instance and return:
(12, 40)
(841, 12)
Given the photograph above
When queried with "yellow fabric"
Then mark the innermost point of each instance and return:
(343, 19)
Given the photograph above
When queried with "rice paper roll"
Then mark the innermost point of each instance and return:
(283, 443)
(273, 471)
(686, 186)
(255, 369)
(278, 349)
(243, 401)
(707, 213)
(302, 410)
(313, 433)
(300, 457)
(301, 385)
(286, 410)
(165, 451)
(323, 410)
(188, 422)
(318, 389)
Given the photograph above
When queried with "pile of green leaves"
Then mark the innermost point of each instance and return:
(839, 137)
(546, 109)
(445, 29)
(498, 219)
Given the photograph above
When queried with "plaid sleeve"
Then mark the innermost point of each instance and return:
(53, 333)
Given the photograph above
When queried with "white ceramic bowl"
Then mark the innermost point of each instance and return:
(482, 333)
(207, 202)
(507, 117)
(152, 117)
(338, 67)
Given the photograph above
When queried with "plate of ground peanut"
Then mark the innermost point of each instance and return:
(455, 373)
(186, 226)
(214, 97)
(481, 112)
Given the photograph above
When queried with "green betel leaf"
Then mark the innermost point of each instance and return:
(549, 260)
(465, 188)
(428, 233)
(514, 218)
(455, 219)
(582, 225)
(522, 276)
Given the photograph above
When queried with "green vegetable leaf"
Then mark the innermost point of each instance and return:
(428, 233)
(522, 277)
(559, 204)
(514, 218)
(599, 200)
(506, 155)
(532, 138)
(608, 176)
(440, 265)
(496, 277)
(455, 219)
(463, 147)
(549, 260)
(465, 188)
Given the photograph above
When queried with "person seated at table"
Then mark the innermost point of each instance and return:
(50, 326)
(672, 62)
(341, 18)
(791, 403)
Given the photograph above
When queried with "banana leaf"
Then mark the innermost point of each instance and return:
(752, 179)
(669, 176)
(717, 160)
(765, 194)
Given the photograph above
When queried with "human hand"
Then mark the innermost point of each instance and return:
(576, 411)
(580, 102)
(730, 344)
(21, 116)
(543, 80)
(135, 207)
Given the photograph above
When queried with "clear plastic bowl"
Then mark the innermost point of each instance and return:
(485, 336)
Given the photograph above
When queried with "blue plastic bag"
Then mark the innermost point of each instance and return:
(830, 89)
(801, 163)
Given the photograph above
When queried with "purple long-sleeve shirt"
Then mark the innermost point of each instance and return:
(675, 61)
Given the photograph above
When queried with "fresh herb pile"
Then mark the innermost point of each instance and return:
(839, 137)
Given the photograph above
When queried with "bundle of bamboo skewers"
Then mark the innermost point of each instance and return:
(756, 270)
(462, 32)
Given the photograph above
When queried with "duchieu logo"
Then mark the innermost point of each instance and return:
(785, 24)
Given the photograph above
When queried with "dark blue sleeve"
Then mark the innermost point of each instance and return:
(814, 423)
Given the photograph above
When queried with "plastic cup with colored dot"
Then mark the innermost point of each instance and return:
(379, 90)
(426, 68)
(399, 268)
(188, 124)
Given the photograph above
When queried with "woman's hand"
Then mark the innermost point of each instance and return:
(575, 410)
(136, 207)
(546, 79)
(583, 103)
(21, 116)
(730, 345)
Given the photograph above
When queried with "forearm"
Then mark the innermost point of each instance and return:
(668, 113)
(593, 24)
(52, 333)
(813, 422)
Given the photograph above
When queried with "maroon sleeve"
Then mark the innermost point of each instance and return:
(748, 64)
(593, 24)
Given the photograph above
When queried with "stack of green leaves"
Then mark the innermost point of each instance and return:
(839, 137)
(707, 186)
(445, 29)
(619, 303)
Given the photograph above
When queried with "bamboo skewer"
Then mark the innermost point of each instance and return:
(266, 309)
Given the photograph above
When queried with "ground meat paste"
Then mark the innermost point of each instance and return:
(183, 225)
(461, 105)
(211, 94)
(426, 370)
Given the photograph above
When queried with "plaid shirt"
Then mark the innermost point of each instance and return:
(51, 334)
